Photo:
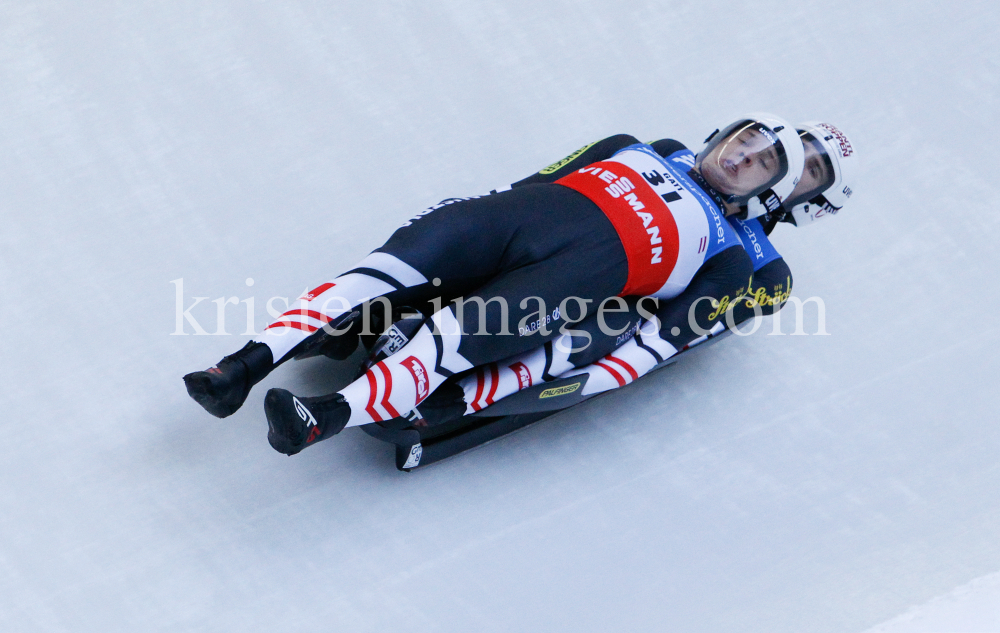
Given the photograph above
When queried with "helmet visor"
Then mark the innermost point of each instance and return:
(817, 176)
(743, 161)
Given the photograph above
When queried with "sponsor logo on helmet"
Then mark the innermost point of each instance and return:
(823, 209)
(523, 375)
(845, 145)
(559, 391)
(420, 379)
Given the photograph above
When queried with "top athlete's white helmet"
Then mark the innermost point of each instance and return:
(830, 158)
(768, 196)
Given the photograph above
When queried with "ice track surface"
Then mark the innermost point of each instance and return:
(776, 483)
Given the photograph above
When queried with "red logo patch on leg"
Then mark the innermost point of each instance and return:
(523, 375)
(420, 378)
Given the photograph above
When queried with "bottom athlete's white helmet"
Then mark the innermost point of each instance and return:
(780, 135)
(830, 164)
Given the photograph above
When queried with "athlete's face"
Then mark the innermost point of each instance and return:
(814, 175)
(742, 163)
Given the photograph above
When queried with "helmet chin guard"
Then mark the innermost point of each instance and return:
(808, 212)
(769, 196)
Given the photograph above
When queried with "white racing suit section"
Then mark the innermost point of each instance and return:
(634, 358)
(395, 386)
(629, 362)
(498, 380)
(374, 276)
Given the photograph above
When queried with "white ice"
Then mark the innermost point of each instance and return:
(776, 483)
(971, 608)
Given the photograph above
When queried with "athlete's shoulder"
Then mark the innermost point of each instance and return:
(665, 147)
(594, 152)
(756, 242)
(590, 153)
(771, 286)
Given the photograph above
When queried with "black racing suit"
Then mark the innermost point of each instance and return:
(521, 261)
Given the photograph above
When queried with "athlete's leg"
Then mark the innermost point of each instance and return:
(458, 246)
(542, 240)
(324, 308)
(581, 263)
(579, 345)
(329, 310)
(388, 390)
(444, 346)
(451, 249)
(684, 320)
(613, 358)
(512, 314)
(627, 363)
(394, 386)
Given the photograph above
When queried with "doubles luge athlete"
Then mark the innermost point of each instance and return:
(628, 345)
(499, 398)
(615, 219)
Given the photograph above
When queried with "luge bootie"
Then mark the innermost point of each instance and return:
(294, 423)
(223, 389)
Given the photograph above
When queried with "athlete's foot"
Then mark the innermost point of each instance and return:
(223, 389)
(294, 423)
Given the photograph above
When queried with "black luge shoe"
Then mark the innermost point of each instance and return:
(222, 389)
(294, 423)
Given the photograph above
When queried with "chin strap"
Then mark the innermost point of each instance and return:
(766, 202)
(770, 220)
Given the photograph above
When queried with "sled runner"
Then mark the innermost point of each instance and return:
(419, 444)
